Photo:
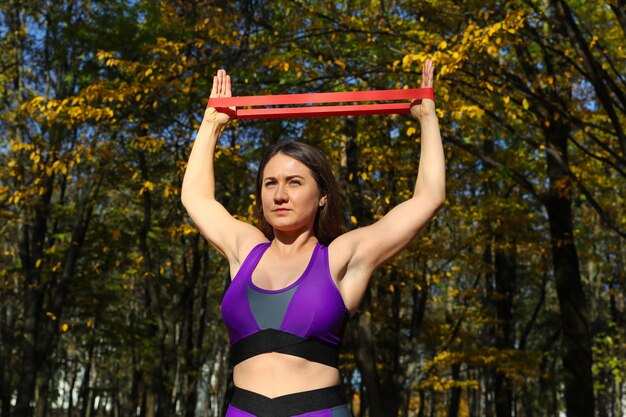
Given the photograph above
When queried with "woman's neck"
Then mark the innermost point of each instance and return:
(293, 242)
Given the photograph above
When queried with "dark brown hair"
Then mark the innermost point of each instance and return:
(329, 219)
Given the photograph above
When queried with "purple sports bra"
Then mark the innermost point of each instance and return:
(305, 319)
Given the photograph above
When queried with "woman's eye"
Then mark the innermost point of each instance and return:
(297, 182)
(269, 184)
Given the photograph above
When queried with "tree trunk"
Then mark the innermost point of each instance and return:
(31, 251)
(504, 275)
(194, 341)
(576, 340)
(396, 375)
(455, 393)
(85, 387)
(158, 401)
(150, 398)
(42, 390)
(5, 381)
(365, 353)
(14, 24)
(501, 253)
(422, 396)
(70, 400)
(366, 361)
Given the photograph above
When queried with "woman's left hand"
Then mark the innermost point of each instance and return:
(425, 107)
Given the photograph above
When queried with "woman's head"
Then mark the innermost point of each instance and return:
(328, 222)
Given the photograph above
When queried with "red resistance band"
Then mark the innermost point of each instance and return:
(414, 94)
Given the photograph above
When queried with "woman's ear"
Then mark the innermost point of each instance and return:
(323, 200)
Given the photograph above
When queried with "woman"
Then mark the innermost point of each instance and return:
(296, 282)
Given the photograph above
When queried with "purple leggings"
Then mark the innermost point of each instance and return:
(323, 402)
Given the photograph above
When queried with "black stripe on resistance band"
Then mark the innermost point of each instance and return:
(287, 405)
(272, 340)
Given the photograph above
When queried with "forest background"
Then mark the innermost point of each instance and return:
(510, 303)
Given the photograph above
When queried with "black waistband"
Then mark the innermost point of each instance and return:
(287, 405)
(272, 340)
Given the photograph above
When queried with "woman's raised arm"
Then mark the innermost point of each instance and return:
(228, 235)
(356, 254)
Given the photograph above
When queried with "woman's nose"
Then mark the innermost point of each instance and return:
(280, 195)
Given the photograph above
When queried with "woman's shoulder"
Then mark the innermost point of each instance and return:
(350, 251)
(343, 246)
(340, 252)
(245, 249)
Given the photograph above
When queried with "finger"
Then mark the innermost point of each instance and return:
(427, 74)
(227, 85)
(223, 86)
(220, 87)
(214, 87)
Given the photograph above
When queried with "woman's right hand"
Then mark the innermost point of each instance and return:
(221, 88)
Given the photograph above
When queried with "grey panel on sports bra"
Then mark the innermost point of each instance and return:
(269, 309)
(340, 411)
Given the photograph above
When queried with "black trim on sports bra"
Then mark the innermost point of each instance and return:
(272, 340)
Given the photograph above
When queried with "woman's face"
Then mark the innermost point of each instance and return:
(290, 194)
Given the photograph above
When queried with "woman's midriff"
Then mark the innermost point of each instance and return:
(276, 374)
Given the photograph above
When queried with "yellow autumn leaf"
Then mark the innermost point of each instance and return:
(406, 61)
(411, 131)
(64, 327)
(525, 104)
(188, 229)
(353, 219)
